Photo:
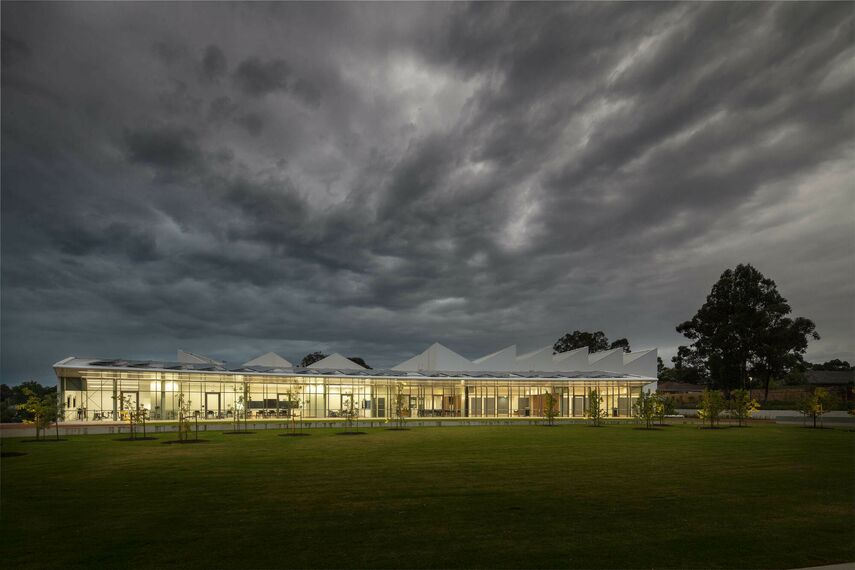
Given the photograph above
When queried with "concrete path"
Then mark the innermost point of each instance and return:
(844, 566)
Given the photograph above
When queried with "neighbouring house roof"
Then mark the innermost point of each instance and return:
(830, 377)
(678, 387)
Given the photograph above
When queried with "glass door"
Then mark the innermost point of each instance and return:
(212, 405)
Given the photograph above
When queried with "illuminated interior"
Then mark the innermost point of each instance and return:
(93, 394)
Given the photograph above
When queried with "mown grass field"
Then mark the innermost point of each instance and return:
(514, 497)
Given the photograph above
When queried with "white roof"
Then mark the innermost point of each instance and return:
(500, 360)
(270, 359)
(437, 361)
(440, 358)
(540, 359)
(191, 358)
(336, 361)
(74, 362)
(436, 357)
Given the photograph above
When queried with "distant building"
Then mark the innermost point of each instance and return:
(681, 391)
(435, 383)
(837, 382)
(679, 388)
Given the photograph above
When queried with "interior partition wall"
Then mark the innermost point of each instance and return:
(105, 394)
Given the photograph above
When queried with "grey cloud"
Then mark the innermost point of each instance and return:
(221, 109)
(307, 92)
(168, 147)
(252, 122)
(477, 174)
(133, 244)
(169, 52)
(13, 50)
(258, 78)
(179, 100)
(213, 63)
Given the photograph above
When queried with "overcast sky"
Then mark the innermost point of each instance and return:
(370, 178)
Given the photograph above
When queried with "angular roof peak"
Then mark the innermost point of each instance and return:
(500, 360)
(436, 357)
(540, 359)
(270, 359)
(641, 362)
(335, 360)
(185, 357)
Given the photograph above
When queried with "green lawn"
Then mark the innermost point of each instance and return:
(570, 496)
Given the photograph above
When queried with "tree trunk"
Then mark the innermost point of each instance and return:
(766, 386)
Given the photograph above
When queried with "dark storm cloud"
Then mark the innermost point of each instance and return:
(237, 178)
(221, 109)
(166, 148)
(252, 122)
(213, 63)
(169, 52)
(13, 50)
(257, 78)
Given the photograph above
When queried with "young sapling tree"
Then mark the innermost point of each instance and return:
(294, 402)
(665, 407)
(816, 405)
(742, 405)
(350, 412)
(595, 411)
(550, 407)
(38, 410)
(710, 407)
(645, 408)
(128, 408)
(58, 413)
(400, 405)
(183, 417)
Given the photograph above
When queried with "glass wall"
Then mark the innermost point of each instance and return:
(98, 395)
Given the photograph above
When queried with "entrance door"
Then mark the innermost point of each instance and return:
(381, 407)
(578, 406)
(490, 406)
(212, 405)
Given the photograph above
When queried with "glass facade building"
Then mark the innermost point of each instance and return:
(101, 390)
